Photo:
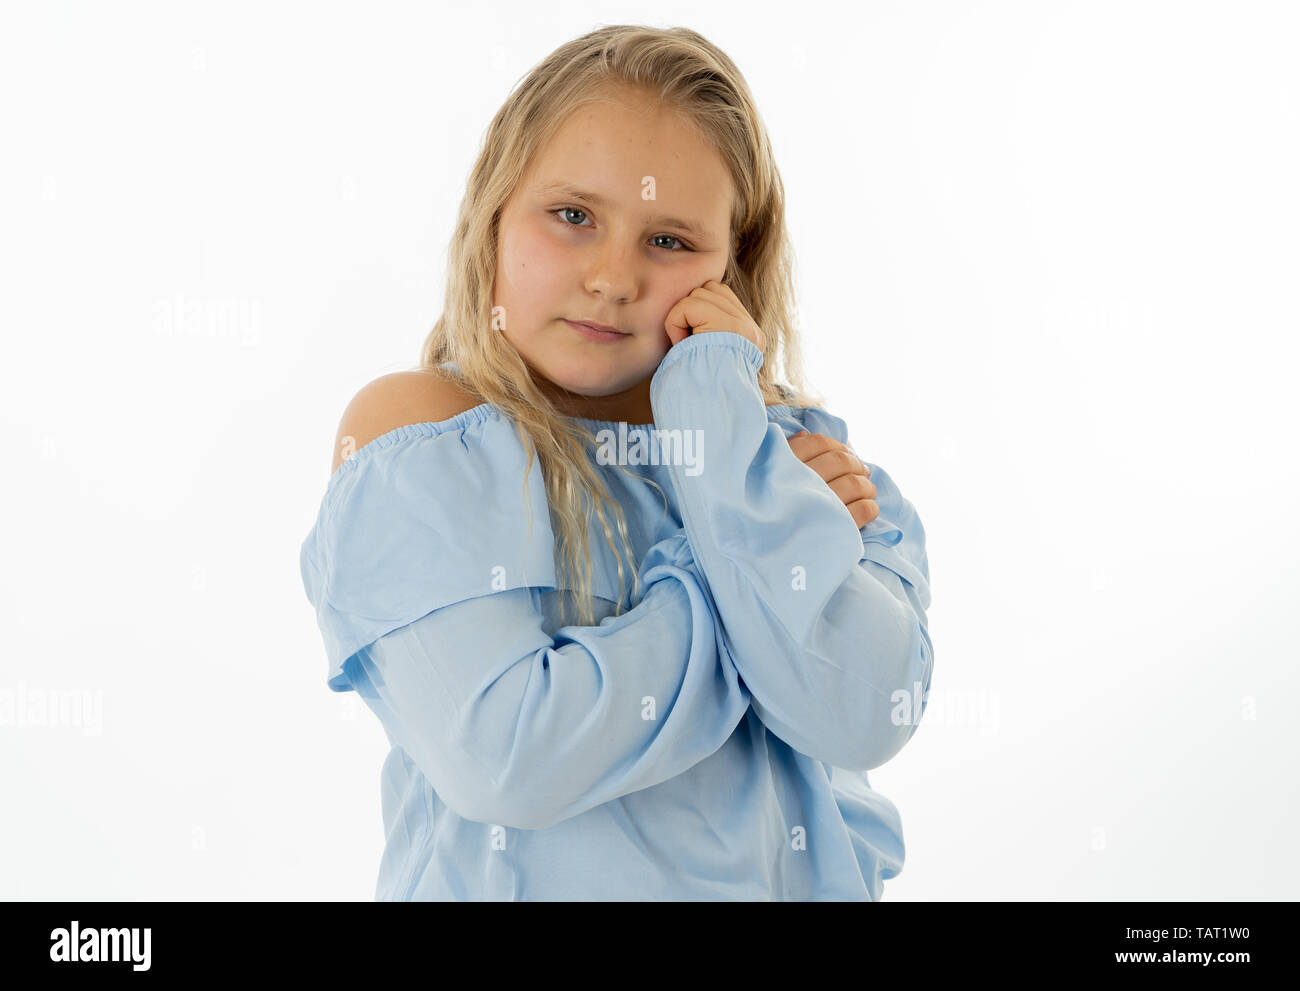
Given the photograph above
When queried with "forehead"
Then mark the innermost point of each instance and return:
(623, 153)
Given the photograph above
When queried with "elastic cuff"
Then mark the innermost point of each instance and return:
(718, 339)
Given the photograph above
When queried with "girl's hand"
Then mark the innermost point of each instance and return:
(842, 470)
(711, 307)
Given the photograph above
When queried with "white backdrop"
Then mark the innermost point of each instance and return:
(1065, 231)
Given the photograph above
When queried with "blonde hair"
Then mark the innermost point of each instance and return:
(697, 81)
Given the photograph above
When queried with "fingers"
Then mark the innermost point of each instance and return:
(852, 488)
(813, 444)
(826, 454)
(699, 310)
(712, 306)
(864, 512)
(859, 495)
(843, 471)
(721, 295)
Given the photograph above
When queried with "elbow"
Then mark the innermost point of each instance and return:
(507, 793)
(893, 715)
(520, 805)
(519, 808)
(503, 749)
(484, 800)
(487, 791)
(498, 810)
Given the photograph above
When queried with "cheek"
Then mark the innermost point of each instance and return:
(531, 259)
(672, 288)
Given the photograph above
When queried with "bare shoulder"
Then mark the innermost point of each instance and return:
(396, 400)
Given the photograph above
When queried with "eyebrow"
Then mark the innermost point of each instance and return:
(595, 199)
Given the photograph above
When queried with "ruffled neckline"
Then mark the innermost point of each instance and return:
(588, 421)
(615, 424)
(477, 415)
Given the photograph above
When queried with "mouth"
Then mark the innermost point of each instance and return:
(597, 331)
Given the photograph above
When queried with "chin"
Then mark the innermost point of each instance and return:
(590, 378)
(593, 387)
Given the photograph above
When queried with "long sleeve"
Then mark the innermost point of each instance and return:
(427, 572)
(825, 621)
(513, 727)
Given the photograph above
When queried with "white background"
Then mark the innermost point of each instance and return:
(1059, 240)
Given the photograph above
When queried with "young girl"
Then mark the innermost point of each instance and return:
(703, 730)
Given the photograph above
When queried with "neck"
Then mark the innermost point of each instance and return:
(632, 405)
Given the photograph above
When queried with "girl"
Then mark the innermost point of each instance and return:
(702, 731)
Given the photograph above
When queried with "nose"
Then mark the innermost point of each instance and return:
(612, 274)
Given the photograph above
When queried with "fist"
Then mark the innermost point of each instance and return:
(842, 470)
(711, 307)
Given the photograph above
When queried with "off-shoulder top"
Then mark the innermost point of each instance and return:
(710, 737)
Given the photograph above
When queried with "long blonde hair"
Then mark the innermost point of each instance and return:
(696, 80)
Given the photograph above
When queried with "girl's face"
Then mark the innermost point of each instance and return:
(653, 225)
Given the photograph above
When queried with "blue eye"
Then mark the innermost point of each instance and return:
(678, 240)
(573, 209)
(569, 209)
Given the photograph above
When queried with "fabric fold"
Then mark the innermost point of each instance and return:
(392, 541)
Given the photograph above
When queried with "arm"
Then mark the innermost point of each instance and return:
(825, 622)
(513, 727)
(426, 569)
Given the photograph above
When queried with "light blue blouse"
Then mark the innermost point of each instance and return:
(709, 743)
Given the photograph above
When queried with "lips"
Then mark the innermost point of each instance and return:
(597, 333)
(599, 326)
